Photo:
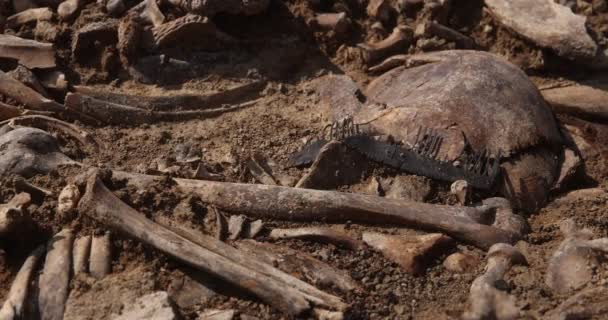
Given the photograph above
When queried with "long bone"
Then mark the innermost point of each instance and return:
(13, 306)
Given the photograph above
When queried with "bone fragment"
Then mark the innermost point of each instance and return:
(337, 22)
(236, 225)
(504, 218)
(115, 7)
(153, 306)
(216, 314)
(68, 9)
(319, 234)
(410, 252)
(37, 193)
(54, 80)
(584, 100)
(486, 301)
(152, 13)
(461, 262)
(212, 7)
(389, 63)
(68, 198)
(297, 204)
(13, 305)
(8, 111)
(111, 113)
(572, 265)
(259, 172)
(100, 263)
(295, 262)
(396, 42)
(27, 77)
(462, 191)
(587, 304)
(262, 280)
(29, 53)
(380, 10)
(187, 28)
(81, 254)
(253, 229)
(54, 281)
(12, 215)
(29, 15)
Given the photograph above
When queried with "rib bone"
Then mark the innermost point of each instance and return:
(396, 42)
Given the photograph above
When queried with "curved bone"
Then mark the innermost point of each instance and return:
(102, 205)
(45, 123)
(111, 113)
(296, 204)
(397, 41)
(100, 263)
(571, 266)
(486, 301)
(318, 234)
(13, 306)
(54, 280)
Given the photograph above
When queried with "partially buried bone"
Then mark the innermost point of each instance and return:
(25, 95)
(68, 198)
(29, 15)
(13, 305)
(270, 285)
(396, 42)
(318, 234)
(573, 263)
(68, 9)
(54, 281)
(100, 262)
(501, 216)
(295, 262)
(111, 113)
(187, 28)
(236, 225)
(486, 301)
(298, 204)
(29, 53)
(12, 214)
(431, 28)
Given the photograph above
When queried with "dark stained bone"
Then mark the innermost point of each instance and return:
(111, 113)
(296, 262)
(8, 111)
(102, 205)
(12, 309)
(318, 234)
(486, 301)
(29, 53)
(233, 95)
(296, 204)
(29, 15)
(53, 283)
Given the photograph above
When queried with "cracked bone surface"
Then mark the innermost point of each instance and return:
(573, 264)
(13, 306)
(53, 284)
(486, 300)
(272, 286)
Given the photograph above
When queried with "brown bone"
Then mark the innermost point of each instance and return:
(397, 41)
(25, 95)
(318, 234)
(54, 280)
(99, 203)
(11, 214)
(30, 53)
(100, 263)
(296, 204)
(29, 15)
